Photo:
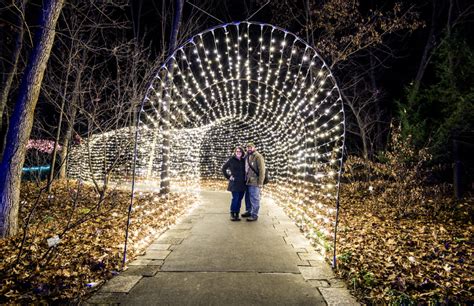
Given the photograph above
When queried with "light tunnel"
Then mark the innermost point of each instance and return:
(227, 86)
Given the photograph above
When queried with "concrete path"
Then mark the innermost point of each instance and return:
(208, 260)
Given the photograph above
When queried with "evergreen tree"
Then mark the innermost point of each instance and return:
(446, 107)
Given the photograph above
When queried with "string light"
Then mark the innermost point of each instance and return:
(233, 84)
(42, 145)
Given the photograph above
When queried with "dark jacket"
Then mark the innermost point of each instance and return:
(258, 163)
(237, 170)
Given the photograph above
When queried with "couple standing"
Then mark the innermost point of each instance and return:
(246, 173)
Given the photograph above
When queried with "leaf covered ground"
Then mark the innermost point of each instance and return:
(412, 246)
(422, 256)
(91, 234)
(426, 256)
(416, 249)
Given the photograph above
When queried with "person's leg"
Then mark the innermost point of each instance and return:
(255, 200)
(234, 205)
(239, 205)
(248, 204)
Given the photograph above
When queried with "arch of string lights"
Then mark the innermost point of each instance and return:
(242, 82)
(237, 83)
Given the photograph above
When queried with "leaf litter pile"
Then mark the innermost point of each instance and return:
(75, 238)
(425, 256)
(422, 256)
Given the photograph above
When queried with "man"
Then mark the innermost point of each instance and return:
(254, 175)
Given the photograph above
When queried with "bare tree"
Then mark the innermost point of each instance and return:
(22, 119)
(348, 38)
(457, 14)
(18, 7)
(363, 102)
(81, 25)
(87, 64)
(106, 109)
(165, 116)
(71, 112)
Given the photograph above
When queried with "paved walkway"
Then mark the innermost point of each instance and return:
(209, 260)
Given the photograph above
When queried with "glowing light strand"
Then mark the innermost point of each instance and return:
(232, 84)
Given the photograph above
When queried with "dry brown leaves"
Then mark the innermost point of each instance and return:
(417, 259)
(91, 237)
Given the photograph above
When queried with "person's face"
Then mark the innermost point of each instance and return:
(250, 149)
(238, 153)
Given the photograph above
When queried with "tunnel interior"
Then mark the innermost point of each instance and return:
(248, 82)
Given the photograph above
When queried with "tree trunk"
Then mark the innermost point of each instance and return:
(360, 125)
(377, 138)
(3, 141)
(4, 94)
(66, 139)
(21, 120)
(165, 125)
(425, 57)
(58, 130)
(149, 171)
(72, 111)
(448, 38)
(55, 148)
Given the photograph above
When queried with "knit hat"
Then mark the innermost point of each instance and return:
(250, 144)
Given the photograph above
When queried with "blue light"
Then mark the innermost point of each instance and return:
(36, 168)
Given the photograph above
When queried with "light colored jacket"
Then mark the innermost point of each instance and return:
(258, 163)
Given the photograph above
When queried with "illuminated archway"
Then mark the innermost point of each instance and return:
(224, 87)
(242, 82)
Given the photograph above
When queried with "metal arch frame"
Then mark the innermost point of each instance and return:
(164, 66)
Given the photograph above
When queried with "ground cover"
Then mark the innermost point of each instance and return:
(424, 256)
(399, 241)
(90, 232)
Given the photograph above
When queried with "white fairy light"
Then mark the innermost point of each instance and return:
(231, 85)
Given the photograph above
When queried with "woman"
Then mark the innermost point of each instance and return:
(234, 171)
